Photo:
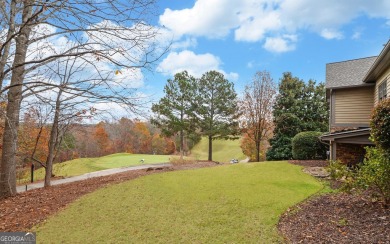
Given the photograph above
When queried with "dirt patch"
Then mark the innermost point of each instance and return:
(337, 218)
(310, 163)
(23, 211)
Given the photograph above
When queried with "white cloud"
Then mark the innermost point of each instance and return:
(257, 25)
(211, 18)
(280, 44)
(261, 20)
(356, 35)
(109, 111)
(195, 64)
(185, 44)
(232, 76)
(331, 34)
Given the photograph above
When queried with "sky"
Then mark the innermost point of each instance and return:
(240, 37)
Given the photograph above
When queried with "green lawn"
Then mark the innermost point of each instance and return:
(223, 150)
(85, 165)
(226, 204)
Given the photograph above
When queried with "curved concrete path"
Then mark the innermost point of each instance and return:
(86, 176)
(245, 160)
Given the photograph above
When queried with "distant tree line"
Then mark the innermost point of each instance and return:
(92, 140)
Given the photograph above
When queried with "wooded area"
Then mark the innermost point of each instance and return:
(67, 55)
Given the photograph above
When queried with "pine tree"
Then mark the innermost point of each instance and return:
(174, 110)
(216, 108)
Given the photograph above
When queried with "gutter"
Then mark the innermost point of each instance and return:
(354, 133)
(379, 59)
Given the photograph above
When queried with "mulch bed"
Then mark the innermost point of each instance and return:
(23, 211)
(336, 218)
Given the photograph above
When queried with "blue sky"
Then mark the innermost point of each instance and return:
(239, 38)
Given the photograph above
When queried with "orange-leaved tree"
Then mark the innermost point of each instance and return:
(141, 138)
(33, 138)
(256, 107)
(102, 138)
(248, 147)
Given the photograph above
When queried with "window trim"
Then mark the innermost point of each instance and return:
(382, 90)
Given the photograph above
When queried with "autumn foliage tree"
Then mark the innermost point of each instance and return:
(248, 147)
(121, 135)
(141, 138)
(256, 107)
(102, 139)
(162, 145)
(124, 135)
(33, 138)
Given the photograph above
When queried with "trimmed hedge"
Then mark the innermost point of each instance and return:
(380, 125)
(306, 146)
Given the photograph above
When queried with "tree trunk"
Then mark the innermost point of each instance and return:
(8, 159)
(210, 148)
(53, 141)
(8, 162)
(257, 151)
(181, 144)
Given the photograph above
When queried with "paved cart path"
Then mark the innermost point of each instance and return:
(86, 176)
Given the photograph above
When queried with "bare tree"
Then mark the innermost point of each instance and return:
(70, 92)
(111, 34)
(256, 106)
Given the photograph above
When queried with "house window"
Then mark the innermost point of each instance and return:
(382, 90)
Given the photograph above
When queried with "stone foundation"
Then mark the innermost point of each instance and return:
(350, 154)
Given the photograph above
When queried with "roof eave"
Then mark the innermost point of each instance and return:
(345, 134)
(354, 86)
(379, 65)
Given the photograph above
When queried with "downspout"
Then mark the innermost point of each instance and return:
(328, 153)
(330, 109)
(328, 144)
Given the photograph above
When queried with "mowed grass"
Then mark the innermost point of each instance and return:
(238, 203)
(223, 150)
(86, 165)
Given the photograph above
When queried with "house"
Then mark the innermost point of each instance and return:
(354, 87)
